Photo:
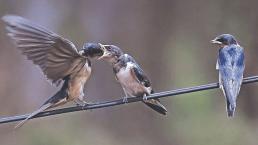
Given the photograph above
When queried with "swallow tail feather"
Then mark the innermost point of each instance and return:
(156, 105)
(42, 108)
(231, 97)
(56, 100)
(231, 109)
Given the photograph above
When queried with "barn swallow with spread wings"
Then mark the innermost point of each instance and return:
(231, 67)
(131, 77)
(57, 57)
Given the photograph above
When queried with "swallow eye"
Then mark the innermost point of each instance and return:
(220, 40)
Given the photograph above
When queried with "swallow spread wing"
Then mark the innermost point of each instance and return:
(56, 56)
(52, 53)
(231, 67)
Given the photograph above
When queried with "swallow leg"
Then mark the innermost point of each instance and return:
(79, 103)
(145, 97)
(82, 103)
(125, 99)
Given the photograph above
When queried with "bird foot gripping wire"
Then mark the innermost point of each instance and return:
(125, 99)
(169, 93)
(145, 97)
(83, 103)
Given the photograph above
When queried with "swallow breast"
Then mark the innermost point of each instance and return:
(129, 82)
(77, 82)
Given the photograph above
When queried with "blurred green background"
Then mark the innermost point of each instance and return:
(169, 39)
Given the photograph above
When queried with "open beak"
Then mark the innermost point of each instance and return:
(215, 41)
(105, 52)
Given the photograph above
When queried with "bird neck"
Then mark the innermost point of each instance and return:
(116, 60)
(233, 41)
(121, 62)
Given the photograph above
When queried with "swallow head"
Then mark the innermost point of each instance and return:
(224, 39)
(92, 50)
(111, 53)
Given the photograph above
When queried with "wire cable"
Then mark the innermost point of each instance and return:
(117, 102)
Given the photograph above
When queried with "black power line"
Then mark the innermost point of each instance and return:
(120, 101)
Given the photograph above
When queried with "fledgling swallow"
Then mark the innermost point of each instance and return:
(57, 57)
(131, 77)
(231, 67)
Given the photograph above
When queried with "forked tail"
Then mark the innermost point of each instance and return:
(42, 108)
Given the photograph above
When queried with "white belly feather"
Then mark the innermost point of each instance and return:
(128, 82)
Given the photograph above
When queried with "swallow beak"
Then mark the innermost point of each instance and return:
(215, 41)
(105, 52)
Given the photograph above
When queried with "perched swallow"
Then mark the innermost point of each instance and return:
(131, 77)
(230, 65)
(57, 57)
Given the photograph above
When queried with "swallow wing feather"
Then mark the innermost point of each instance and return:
(57, 57)
(238, 69)
(138, 73)
(231, 68)
(140, 76)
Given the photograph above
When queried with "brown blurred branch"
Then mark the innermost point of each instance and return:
(120, 101)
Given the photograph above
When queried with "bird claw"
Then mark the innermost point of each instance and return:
(125, 99)
(145, 98)
(88, 103)
(83, 103)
